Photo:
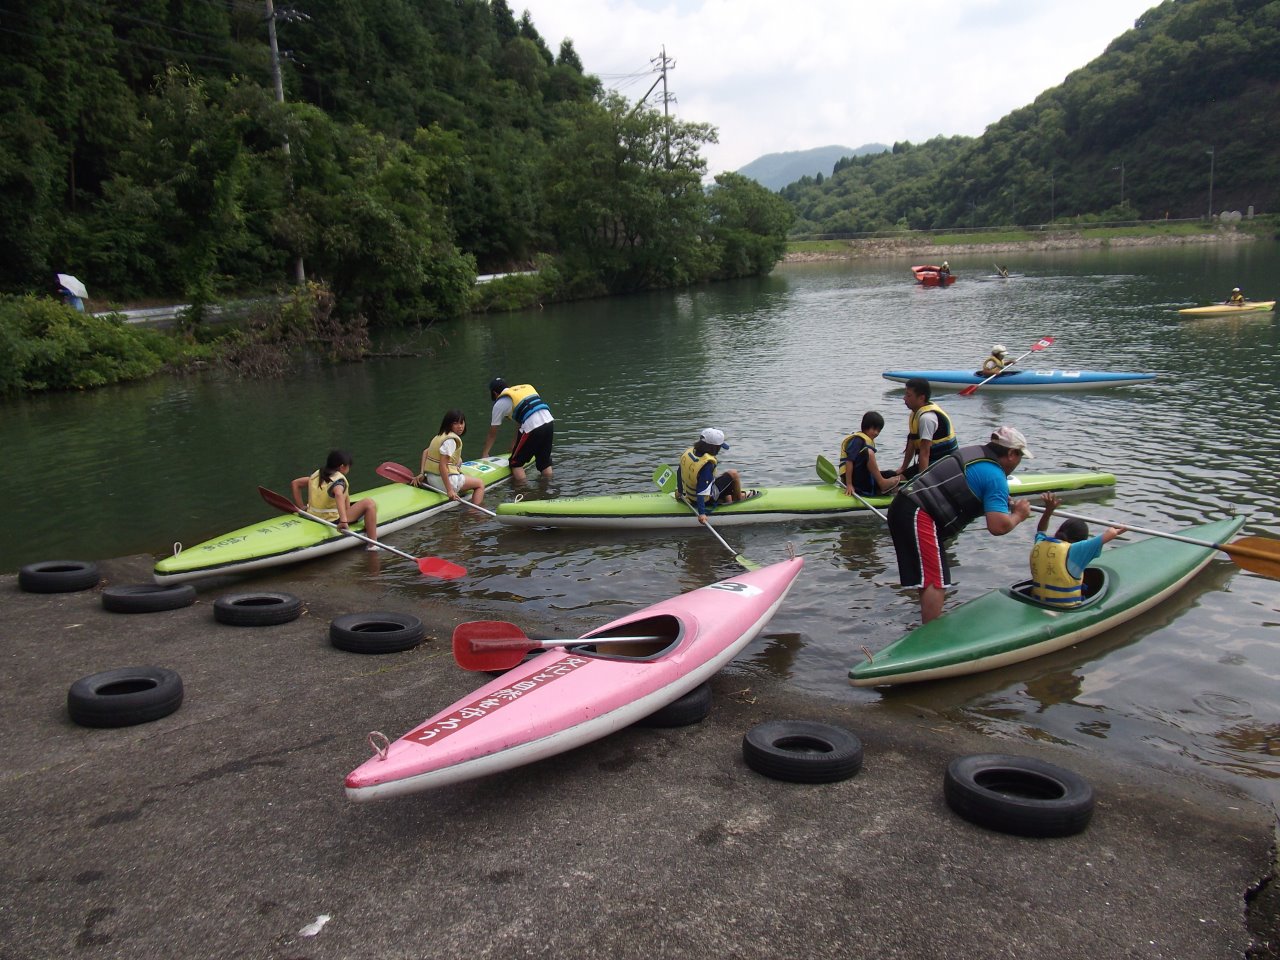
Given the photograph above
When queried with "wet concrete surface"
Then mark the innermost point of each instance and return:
(223, 830)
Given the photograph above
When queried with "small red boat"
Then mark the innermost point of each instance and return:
(933, 276)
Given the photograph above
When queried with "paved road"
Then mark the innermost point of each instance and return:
(222, 830)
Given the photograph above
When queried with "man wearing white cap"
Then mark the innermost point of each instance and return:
(956, 490)
(696, 480)
(996, 362)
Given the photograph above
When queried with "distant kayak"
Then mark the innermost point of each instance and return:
(932, 276)
(1227, 309)
(1007, 626)
(1022, 379)
(1001, 276)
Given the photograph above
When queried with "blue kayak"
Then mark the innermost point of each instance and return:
(1021, 379)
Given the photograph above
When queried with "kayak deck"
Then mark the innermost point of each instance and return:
(1227, 309)
(655, 510)
(1022, 380)
(1004, 627)
(291, 538)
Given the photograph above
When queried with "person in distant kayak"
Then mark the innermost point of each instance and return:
(957, 489)
(858, 467)
(1003, 271)
(996, 361)
(930, 433)
(696, 481)
(442, 461)
(328, 497)
(535, 427)
(1058, 562)
(1237, 298)
(944, 270)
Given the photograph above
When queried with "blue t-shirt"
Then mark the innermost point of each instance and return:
(989, 484)
(1079, 554)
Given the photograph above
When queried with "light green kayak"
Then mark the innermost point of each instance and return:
(290, 538)
(816, 501)
(1007, 626)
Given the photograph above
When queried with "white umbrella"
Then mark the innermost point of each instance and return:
(73, 286)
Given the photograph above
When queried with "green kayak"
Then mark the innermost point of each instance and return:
(655, 510)
(1006, 626)
(289, 538)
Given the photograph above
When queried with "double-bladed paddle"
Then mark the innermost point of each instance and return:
(1259, 555)
(498, 645)
(827, 473)
(402, 474)
(429, 566)
(1035, 348)
(664, 478)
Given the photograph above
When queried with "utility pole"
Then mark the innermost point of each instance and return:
(664, 63)
(1211, 159)
(299, 272)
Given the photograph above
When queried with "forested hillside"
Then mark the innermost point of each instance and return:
(143, 149)
(1185, 102)
(776, 170)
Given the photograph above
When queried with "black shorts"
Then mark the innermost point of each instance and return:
(721, 487)
(534, 445)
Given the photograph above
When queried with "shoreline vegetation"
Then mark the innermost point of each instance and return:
(941, 244)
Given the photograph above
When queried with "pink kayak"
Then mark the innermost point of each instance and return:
(566, 697)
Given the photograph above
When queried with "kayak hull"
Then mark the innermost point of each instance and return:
(290, 538)
(1002, 628)
(819, 501)
(567, 697)
(1227, 310)
(931, 276)
(1022, 380)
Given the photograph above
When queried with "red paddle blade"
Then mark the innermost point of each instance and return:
(969, 390)
(436, 567)
(396, 472)
(474, 645)
(1041, 344)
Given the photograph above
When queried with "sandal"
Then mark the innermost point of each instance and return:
(747, 495)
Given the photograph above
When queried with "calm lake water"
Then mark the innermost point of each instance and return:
(786, 366)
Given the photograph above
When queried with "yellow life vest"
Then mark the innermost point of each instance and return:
(1051, 582)
(690, 466)
(524, 401)
(947, 443)
(431, 458)
(320, 501)
(992, 364)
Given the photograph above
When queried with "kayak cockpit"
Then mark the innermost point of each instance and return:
(1095, 588)
(655, 636)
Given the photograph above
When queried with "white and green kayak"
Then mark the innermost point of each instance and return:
(290, 538)
(1008, 626)
(817, 501)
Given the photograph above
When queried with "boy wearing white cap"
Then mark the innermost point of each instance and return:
(940, 502)
(996, 362)
(696, 480)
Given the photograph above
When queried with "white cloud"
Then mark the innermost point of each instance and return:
(776, 76)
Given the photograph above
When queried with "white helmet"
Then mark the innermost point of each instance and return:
(998, 350)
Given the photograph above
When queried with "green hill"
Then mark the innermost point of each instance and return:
(776, 170)
(1192, 91)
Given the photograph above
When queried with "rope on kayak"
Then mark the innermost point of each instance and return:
(379, 749)
(867, 653)
(177, 547)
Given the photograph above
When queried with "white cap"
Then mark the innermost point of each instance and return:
(1012, 438)
(713, 438)
(999, 348)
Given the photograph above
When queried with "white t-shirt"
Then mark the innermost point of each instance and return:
(928, 424)
(502, 409)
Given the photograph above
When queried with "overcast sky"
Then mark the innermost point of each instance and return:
(780, 75)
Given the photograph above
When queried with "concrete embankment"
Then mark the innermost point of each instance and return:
(222, 830)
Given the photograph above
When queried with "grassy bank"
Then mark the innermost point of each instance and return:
(1016, 238)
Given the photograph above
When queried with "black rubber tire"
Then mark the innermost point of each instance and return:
(1019, 795)
(692, 708)
(802, 751)
(257, 609)
(376, 632)
(147, 597)
(124, 697)
(58, 576)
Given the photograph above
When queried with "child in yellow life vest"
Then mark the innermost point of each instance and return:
(859, 468)
(1058, 562)
(696, 480)
(327, 496)
(442, 461)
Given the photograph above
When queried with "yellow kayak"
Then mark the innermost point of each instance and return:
(1226, 309)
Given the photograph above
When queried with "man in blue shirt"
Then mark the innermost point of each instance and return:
(957, 489)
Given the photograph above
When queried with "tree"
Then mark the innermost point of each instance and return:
(748, 226)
